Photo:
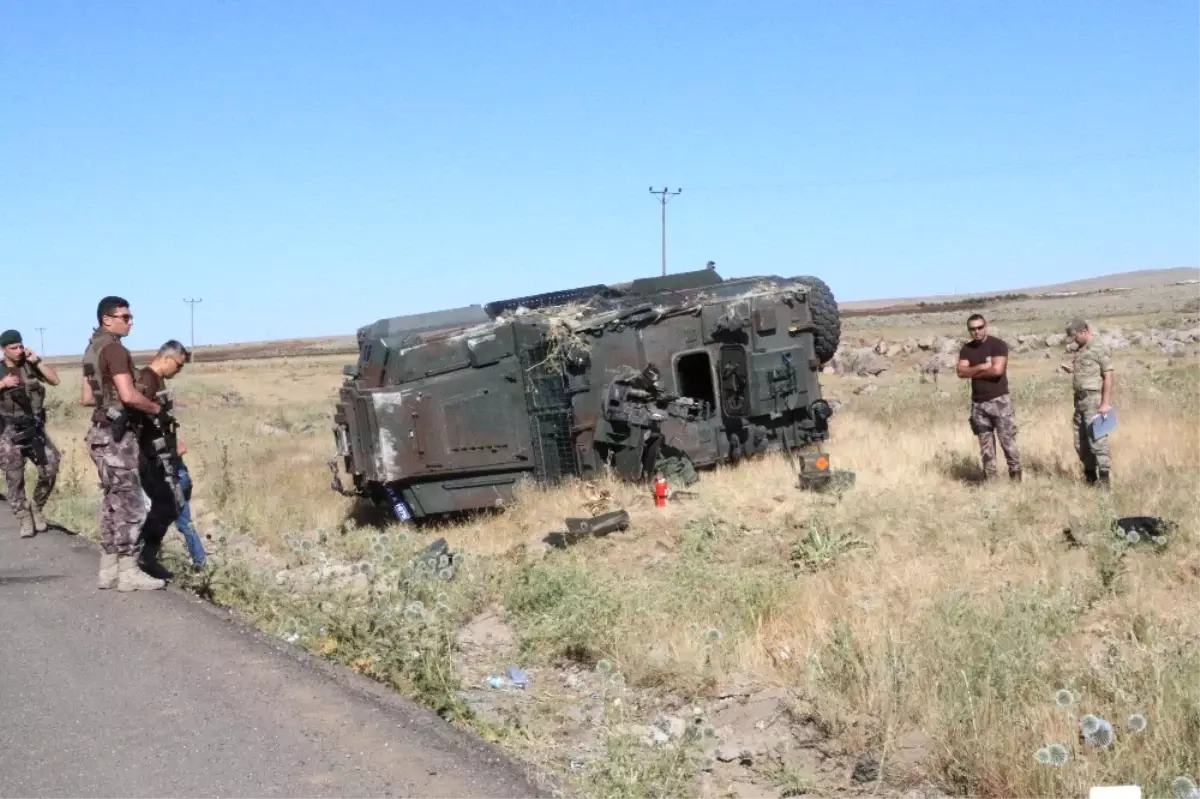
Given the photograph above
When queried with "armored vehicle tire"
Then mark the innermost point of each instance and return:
(826, 317)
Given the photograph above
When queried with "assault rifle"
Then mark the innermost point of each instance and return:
(165, 444)
(30, 429)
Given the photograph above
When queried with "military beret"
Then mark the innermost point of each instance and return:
(9, 337)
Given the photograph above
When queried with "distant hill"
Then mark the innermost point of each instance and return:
(346, 345)
(1142, 278)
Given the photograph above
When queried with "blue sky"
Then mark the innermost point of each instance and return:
(309, 167)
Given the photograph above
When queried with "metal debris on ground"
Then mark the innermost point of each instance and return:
(1153, 530)
(1145, 529)
(439, 560)
(579, 528)
(837, 481)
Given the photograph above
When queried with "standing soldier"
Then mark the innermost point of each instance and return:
(984, 361)
(112, 442)
(23, 430)
(1092, 382)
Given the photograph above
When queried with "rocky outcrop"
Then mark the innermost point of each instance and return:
(937, 355)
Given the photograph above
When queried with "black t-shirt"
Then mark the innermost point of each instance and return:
(975, 353)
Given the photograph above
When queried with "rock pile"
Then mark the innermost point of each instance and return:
(938, 354)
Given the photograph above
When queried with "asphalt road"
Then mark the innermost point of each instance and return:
(155, 693)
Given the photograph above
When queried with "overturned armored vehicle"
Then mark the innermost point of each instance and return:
(445, 411)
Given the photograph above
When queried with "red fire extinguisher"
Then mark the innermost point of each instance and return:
(660, 491)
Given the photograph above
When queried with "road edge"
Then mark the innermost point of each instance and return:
(450, 738)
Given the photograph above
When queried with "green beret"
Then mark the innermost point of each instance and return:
(9, 337)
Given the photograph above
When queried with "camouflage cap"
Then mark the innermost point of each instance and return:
(1076, 325)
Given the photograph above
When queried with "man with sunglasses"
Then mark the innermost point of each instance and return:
(984, 361)
(108, 385)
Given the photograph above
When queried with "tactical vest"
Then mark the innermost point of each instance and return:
(105, 395)
(33, 386)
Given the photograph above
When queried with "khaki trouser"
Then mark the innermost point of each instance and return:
(1093, 454)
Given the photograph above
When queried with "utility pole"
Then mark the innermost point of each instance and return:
(42, 336)
(665, 197)
(192, 303)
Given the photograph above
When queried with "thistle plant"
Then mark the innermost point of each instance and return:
(1102, 736)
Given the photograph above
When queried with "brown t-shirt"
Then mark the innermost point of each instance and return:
(149, 383)
(975, 353)
(114, 359)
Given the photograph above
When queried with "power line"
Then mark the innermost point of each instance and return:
(42, 336)
(664, 199)
(192, 308)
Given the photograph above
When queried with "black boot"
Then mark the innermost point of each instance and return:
(149, 561)
(1015, 476)
(1102, 476)
(1090, 475)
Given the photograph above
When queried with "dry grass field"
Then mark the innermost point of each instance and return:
(920, 634)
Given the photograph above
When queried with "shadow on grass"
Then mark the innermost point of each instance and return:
(967, 468)
(1057, 468)
(365, 513)
(959, 467)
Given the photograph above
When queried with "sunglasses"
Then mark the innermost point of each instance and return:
(126, 317)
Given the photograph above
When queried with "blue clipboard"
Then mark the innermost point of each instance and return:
(1103, 425)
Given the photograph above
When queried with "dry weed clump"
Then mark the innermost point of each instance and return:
(921, 600)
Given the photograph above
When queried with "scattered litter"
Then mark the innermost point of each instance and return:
(516, 678)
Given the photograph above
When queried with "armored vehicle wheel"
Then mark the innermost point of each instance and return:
(826, 317)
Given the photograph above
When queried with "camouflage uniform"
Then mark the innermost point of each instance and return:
(121, 511)
(996, 415)
(1092, 360)
(12, 459)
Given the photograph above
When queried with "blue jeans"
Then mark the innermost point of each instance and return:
(184, 524)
